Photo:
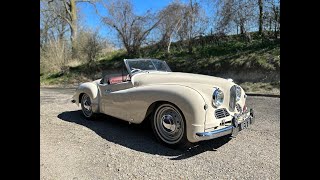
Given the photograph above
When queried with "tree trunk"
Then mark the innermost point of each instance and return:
(61, 31)
(237, 29)
(190, 46)
(275, 30)
(73, 42)
(260, 16)
(73, 26)
(270, 24)
(242, 28)
(169, 45)
(275, 22)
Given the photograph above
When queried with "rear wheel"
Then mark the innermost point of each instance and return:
(169, 126)
(86, 107)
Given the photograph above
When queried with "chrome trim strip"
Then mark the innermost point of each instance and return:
(128, 67)
(216, 133)
(233, 129)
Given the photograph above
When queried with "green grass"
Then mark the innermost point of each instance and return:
(84, 72)
(270, 88)
(60, 79)
(232, 55)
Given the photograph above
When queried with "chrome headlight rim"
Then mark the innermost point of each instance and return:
(217, 97)
(238, 93)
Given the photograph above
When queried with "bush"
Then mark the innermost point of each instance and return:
(89, 45)
(54, 56)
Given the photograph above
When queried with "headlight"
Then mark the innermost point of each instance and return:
(217, 97)
(238, 93)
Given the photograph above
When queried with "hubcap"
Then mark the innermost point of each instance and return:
(86, 105)
(169, 124)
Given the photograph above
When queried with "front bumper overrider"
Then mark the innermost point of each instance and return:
(232, 129)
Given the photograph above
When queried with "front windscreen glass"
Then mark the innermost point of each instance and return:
(147, 65)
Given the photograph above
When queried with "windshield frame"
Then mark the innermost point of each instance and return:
(129, 71)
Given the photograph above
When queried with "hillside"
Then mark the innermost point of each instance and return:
(254, 64)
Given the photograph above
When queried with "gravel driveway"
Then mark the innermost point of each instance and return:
(73, 148)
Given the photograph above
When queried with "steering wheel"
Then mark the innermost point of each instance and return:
(134, 70)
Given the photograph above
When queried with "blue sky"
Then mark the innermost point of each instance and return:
(141, 6)
(90, 19)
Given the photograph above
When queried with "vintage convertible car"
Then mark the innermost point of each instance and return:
(183, 108)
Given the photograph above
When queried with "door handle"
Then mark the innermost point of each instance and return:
(108, 90)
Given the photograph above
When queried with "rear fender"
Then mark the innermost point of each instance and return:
(90, 89)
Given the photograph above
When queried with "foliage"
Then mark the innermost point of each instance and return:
(90, 44)
(234, 55)
(178, 33)
(132, 29)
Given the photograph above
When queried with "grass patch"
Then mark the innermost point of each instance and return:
(234, 54)
(270, 88)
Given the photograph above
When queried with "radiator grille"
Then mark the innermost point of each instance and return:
(238, 108)
(232, 101)
(221, 113)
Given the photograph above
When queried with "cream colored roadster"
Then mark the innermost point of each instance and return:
(183, 108)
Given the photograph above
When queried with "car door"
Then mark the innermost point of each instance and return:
(114, 98)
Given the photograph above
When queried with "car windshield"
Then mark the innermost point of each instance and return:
(138, 65)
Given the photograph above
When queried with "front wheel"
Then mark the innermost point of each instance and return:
(86, 107)
(169, 126)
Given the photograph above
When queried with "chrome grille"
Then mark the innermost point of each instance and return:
(232, 101)
(221, 113)
(238, 108)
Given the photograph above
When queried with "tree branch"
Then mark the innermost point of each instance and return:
(84, 1)
(64, 18)
(152, 27)
(66, 6)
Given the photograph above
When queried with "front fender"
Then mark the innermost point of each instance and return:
(187, 99)
(90, 89)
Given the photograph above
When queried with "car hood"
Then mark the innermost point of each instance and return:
(200, 83)
(178, 78)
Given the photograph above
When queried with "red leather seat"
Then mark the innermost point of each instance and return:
(116, 79)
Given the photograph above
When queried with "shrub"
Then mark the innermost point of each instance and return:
(54, 56)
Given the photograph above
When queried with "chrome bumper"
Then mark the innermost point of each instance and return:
(233, 129)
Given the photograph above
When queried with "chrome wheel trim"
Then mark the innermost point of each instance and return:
(169, 124)
(86, 106)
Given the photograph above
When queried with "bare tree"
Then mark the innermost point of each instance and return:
(194, 24)
(53, 48)
(260, 3)
(171, 23)
(53, 56)
(92, 44)
(276, 17)
(240, 12)
(224, 15)
(51, 27)
(66, 10)
(132, 29)
(272, 16)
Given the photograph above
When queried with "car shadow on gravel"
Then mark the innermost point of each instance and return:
(138, 137)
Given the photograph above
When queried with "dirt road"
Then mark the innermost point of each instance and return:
(73, 148)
